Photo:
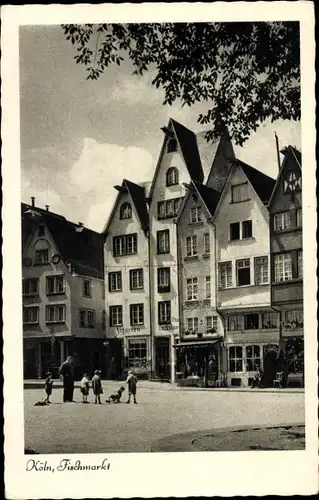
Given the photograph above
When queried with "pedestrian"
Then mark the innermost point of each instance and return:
(67, 372)
(116, 396)
(48, 386)
(97, 386)
(85, 387)
(132, 383)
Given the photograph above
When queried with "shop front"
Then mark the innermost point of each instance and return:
(137, 356)
(198, 363)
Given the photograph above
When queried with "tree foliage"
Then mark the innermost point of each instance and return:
(247, 72)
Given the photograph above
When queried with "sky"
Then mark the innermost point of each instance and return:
(79, 138)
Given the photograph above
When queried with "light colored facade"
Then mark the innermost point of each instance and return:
(127, 284)
(243, 257)
(63, 312)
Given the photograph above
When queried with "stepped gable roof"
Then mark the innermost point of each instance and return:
(188, 144)
(79, 246)
(209, 196)
(262, 183)
(137, 194)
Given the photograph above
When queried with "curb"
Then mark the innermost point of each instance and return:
(57, 384)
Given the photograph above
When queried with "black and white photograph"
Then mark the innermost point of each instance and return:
(165, 249)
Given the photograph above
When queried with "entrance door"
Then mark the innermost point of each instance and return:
(162, 358)
(30, 363)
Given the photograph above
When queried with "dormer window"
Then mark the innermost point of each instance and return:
(172, 146)
(126, 211)
(172, 176)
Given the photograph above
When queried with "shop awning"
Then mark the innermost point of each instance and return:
(197, 344)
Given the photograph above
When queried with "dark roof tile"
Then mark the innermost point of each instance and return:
(209, 196)
(188, 143)
(262, 183)
(138, 197)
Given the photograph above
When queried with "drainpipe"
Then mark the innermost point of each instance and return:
(152, 347)
(222, 346)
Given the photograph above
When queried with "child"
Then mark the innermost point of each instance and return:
(131, 382)
(97, 386)
(48, 386)
(84, 387)
(116, 396)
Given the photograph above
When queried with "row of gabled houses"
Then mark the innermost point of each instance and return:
(202, 270)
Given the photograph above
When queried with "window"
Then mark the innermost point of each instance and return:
(55, 314)
(235, 323)
(168, 208)
(299, 218)
(172, 146)
(270, 320)
(261, 270)
(55, 285)
(239, 193)
(207, 287)
(251, 321)
(243, 272)
(125, 211)
(211, 324)
(30, 286)
(31, 315)
(282, 221)
(172, 176)
(206, 243)
(103, 320)
(124, 245)
(300, 264)
(86, 318)
(116, 316)
(137, 353)
(294, 319)
(235, 359)
(42, 256)
(191, 246)
(163, 279)
(195, 215)
(163, 241)
(234, 231)
(86, 288)
(164, 313)
(192, 325)
(283, 267)
(247, 229)
(137, 314)
(252, 358)
(136, 279)
(225, 275)
(115, 281)
(192, 289)
(41, 231)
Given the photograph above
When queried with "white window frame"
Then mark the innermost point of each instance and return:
(164, 312)
(195, 215)
(172, 176)
(208, 291)
(283, 267)
(191, 246)
(53, 313)
(237, 320)
(137, 353)
(192, 289)
(206, 243)
(235, 359)
(116, 315)
(136, 314)
(225, 275)
(115, 281)
(243, 264)
(192, 324)
(254, 359)
(163, 278)
(261, 270)
(163, 243)
(56, 279)
(27, 289)
(211, 323)
(136, 279)
(270, 324)
(30, 315)
(282, 221)
(131, 244)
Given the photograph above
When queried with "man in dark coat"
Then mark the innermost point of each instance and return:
(67, 372)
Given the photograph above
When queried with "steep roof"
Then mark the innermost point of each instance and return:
(289, 153)
(137, 194)
(262, 183)
(207, 152)
(81, 247)
(209, 196)
(188, 144)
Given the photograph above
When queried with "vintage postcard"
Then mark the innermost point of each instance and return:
(159, 250)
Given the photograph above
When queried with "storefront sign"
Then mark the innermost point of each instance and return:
(128, 330)
(201, 304)
(169, 328)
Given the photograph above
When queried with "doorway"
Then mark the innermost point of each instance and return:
(162, 358)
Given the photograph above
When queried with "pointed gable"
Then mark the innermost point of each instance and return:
(262, 183)
(188, 144)
(209, 197)
(291, 157)
(137, 194)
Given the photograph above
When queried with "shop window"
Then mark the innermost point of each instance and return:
(253, 359)
(137, 353)
(251, 321)
(243, 272)
(235, 359)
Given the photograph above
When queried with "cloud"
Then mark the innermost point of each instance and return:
(98, 169)
(134, 89)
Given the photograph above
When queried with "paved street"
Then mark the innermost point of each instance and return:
(78, 428)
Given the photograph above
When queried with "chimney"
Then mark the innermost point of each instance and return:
(47, 207)
(277, 148)
(33, 201)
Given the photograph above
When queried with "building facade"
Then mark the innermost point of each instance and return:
(63, 294)
(243, 259)
(285, 209)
